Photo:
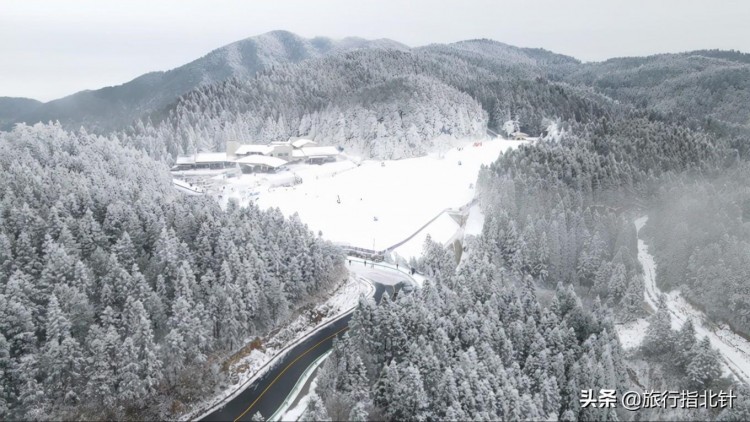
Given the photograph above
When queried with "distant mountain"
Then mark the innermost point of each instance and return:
(388, 100)
(382, 103)
(500, 54)
(113, 107)
(12, 107)
(699, 84)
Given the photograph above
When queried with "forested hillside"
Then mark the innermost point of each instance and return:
(699, 85)
(11, 108)
(119, 297)
(559, 216)
(471, 346)
(381, 103)
(701, 232)
(119, 294)
(560, 210)
(110, 108)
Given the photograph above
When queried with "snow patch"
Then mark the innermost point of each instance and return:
(443, 230)
(631, 334)
(475, 221)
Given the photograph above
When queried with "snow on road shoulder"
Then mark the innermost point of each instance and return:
(734, 349)
(295, 413)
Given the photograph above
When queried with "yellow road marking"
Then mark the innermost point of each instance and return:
(284, 370)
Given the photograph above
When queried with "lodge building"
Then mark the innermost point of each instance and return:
(255, 158)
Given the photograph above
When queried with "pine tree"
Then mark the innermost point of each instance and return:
(315, 410)
(704, 367)
(125, 251)
(741, 409)
(685, 342)
(139, 330)
(131, 388)
(6, 258)
(659, 339)
(359, 413)
(409, 400)
(101, 386)
(4, 376)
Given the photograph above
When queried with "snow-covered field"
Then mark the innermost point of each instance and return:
(734, 349)
(475, 221)
(251, 366)
(372, 204)
(188, 188)
(443, 230)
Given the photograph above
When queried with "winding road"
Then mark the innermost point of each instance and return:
(269, 392)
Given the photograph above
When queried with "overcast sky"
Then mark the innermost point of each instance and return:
(53, 48)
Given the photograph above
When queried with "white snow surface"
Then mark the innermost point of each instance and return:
(343, 199)
(475, 222)
(185, 187)
(734, 349)
(443, 230)
(631, 334)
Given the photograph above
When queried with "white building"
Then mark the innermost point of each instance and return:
(295, 149)
(253, 149)
(260, 163)
(251, 158)
(302, 142)
(316, 155)
(203, 161)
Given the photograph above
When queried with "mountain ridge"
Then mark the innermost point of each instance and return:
(107, 108)
(657, 81)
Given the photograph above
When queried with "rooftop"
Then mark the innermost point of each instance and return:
(261, 160)
(254, 149)
(203, 157)
(301, 142)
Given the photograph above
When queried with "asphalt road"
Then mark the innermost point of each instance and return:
(268, 393)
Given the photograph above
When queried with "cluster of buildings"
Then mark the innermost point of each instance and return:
(254, 158)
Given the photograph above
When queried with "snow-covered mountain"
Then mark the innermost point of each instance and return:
(697, 84)
(111, 107)
(379, 102)
(13, 107)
